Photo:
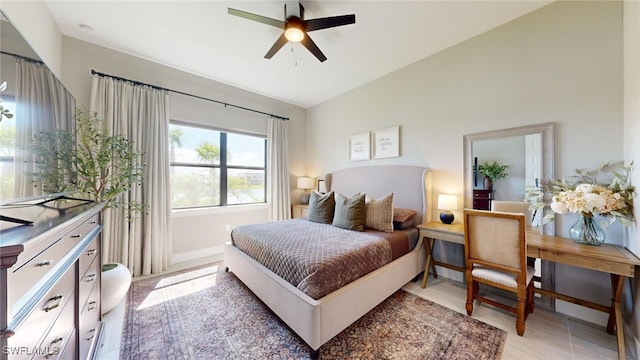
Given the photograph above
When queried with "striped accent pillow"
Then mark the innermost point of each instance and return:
(349, 212)
(379, 213)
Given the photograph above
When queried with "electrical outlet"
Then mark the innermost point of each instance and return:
(227, 227)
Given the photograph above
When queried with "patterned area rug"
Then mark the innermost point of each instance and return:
(206, 313)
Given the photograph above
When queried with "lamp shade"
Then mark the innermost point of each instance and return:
(447, 202)
(305, 182)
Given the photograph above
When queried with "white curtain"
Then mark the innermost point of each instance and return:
(141, 114)
(41, 107)
(278, 192)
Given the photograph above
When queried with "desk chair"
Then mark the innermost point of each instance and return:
(495, 252)
(514, 207)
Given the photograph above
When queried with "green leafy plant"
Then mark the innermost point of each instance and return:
(493, 171)
(106, 165)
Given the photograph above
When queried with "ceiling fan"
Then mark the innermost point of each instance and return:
(296, 27)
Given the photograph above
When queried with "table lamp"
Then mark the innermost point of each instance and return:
(305, 183)
(446, 203)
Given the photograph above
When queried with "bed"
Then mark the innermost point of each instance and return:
(316, 321)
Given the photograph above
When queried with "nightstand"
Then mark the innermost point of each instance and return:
(432, 231)
(299, 211)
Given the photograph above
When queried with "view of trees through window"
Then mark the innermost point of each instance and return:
(215, 168)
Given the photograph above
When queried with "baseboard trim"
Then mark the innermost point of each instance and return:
(215, 253)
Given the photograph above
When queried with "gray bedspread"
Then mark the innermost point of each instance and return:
(316, 258)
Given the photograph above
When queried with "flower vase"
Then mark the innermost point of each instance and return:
(587, 231)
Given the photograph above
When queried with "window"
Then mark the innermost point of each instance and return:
(215, 168)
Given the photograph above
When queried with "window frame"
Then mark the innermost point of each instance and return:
(222, 166)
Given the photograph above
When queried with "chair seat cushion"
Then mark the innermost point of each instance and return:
(498, 276)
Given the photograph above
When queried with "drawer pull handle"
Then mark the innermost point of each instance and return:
(58, 299)
(91, 252)
(90, 277)
(57, 340)
(92, 333)
(92, 305)
(75, 236)
(44, 263)
(93, 222)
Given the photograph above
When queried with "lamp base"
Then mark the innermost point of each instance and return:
(446, 217)
(304, 198)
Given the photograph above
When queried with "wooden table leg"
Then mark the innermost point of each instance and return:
(428, 248)
(615, 313)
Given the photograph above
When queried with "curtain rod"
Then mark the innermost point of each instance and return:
(93, 72)
(21, 57)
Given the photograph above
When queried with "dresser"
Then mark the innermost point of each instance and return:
(482, 199)
(50, 281)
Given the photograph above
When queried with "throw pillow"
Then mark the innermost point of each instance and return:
(349, 213)
(321, 207)
(402, 215)
(378, 214)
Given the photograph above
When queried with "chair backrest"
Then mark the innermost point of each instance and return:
(520, 207)
(495, 238)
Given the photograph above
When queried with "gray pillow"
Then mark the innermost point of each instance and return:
(349, 212)
(321, 207)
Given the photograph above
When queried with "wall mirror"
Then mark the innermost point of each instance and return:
(527, 150)
(40, 128)
(529, 153)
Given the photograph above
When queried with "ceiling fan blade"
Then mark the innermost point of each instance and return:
(311, 46)
(256, 17)
(276, 46)
(329, 22)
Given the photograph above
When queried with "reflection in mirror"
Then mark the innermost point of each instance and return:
(41, 124)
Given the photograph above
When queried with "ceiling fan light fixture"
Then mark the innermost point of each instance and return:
(294, 33)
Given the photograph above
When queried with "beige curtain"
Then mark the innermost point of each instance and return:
(141, 114)
(41, 107)
(278, 192)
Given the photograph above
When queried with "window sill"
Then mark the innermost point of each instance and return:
(177, 213)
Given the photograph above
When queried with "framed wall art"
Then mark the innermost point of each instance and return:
(386, 142)
(360, 147)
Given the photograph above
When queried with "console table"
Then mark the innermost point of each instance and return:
(615, 260)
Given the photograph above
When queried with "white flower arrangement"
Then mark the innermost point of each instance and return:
(584, 195)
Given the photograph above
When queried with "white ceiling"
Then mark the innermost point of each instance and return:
(201, 38)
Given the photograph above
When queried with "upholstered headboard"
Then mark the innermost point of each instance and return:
(410, 185)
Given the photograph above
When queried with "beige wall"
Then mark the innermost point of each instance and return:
(562, 64)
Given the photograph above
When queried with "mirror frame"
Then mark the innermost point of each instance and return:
(546, 129)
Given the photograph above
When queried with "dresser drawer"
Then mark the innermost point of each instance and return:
(58, 338)
(30, 268)
(88, 255)
(30, 333)
(88, 280)
(89, 323)
(69, 352)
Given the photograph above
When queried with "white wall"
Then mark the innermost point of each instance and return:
(562, 64)
(38, 27)
(195, 232)
(632, 149)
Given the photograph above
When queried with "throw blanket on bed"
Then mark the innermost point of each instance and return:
(317, 258)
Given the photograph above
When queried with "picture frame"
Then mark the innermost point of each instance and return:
(386, 142)
(360, 147)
